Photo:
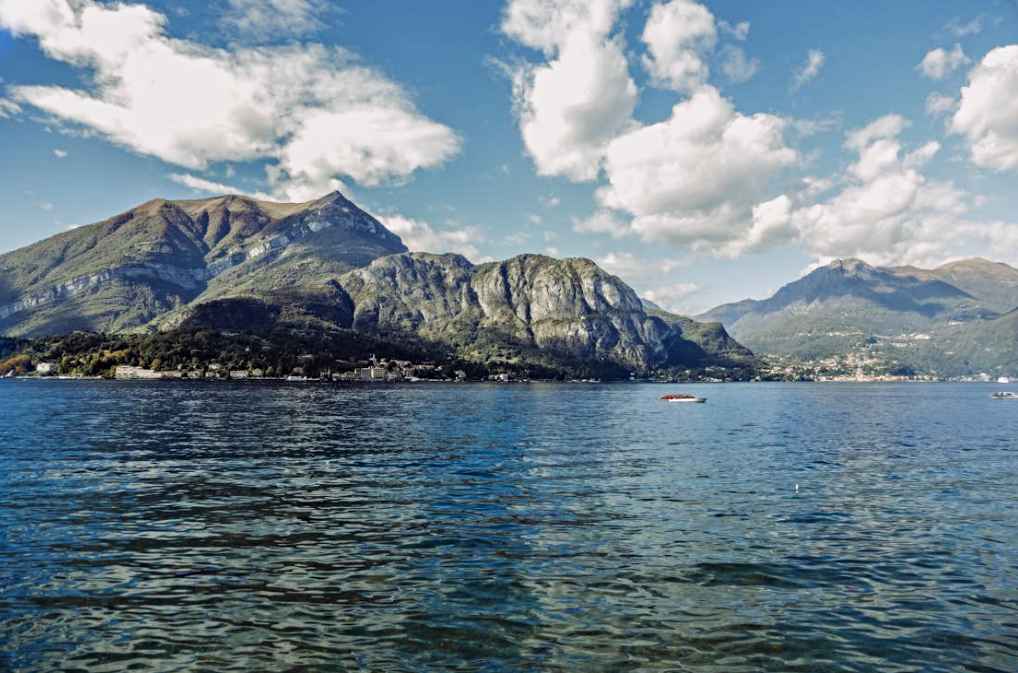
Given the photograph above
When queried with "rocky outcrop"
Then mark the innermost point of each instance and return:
(566, 306)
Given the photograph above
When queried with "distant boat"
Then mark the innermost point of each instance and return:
(683, 397)
(1005, 396)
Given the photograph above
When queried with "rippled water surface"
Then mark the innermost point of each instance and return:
(258, 527)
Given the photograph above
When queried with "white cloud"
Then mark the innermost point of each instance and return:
(636, 269)
(552, 251)
(47, 206)
(646, 275)
(672, 297)
(678, 36)
(550, 201)
(939, 63)
(739, 31)
(938, 104)
(572, 105)
(602, 222)
(313, 111)
(736, 66)
(694, 178)
(887, 212)
(988, 111)
(273, 18)
(210, 187)
(60, 154)
(420, 236)
(8, 108)
(815, 60)
(771, 226)
(885, 128)
(547, 25)
(533, 218)
(959, 29)
(920, 157)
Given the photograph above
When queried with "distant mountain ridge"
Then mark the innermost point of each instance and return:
(927, 318)
(235, 263)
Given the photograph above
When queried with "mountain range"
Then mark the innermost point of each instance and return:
(235, 263)
(956, 319)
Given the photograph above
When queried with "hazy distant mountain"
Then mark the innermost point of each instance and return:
(993, 284)
(234, 263)
(949, 319)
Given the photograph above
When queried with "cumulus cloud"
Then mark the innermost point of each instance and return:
(263, 19)
(570, 106)
(938, 104)
(736, 66)
(939, 63)
(887, 211)
(694, 178)
(678, 36)
(420, 236)
(987, 114)
(60, 154)
(815, 60)
(314, 112)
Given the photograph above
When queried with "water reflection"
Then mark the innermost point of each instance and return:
(435, 528)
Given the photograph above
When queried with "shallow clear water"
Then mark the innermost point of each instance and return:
(517, 528)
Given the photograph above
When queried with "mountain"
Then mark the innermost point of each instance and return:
(569, 306)
(951, 319)
(994, 284)
(123, 272)
(237, 264)
(529, 308)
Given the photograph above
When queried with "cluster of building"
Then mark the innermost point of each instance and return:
(376, 371)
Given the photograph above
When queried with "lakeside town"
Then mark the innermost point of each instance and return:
(840, 369)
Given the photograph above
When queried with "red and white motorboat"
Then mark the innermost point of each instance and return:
(683, 397)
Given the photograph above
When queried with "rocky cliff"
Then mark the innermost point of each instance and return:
(568, 307)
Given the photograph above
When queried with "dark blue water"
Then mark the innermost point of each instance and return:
(254, 527)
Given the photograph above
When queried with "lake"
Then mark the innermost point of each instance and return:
(266, 527)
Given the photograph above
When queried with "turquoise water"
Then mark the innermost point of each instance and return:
(249, 527)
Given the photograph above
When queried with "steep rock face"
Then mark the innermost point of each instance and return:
(125, 271)
(565, 306)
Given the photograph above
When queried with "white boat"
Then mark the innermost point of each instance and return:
(1005, 396)
(683, 397)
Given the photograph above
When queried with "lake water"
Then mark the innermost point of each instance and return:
(271, 527)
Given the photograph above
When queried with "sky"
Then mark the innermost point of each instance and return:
(703, 151)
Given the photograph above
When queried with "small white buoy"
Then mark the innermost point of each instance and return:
(796, 488)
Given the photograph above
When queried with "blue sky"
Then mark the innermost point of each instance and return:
(705, 152)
